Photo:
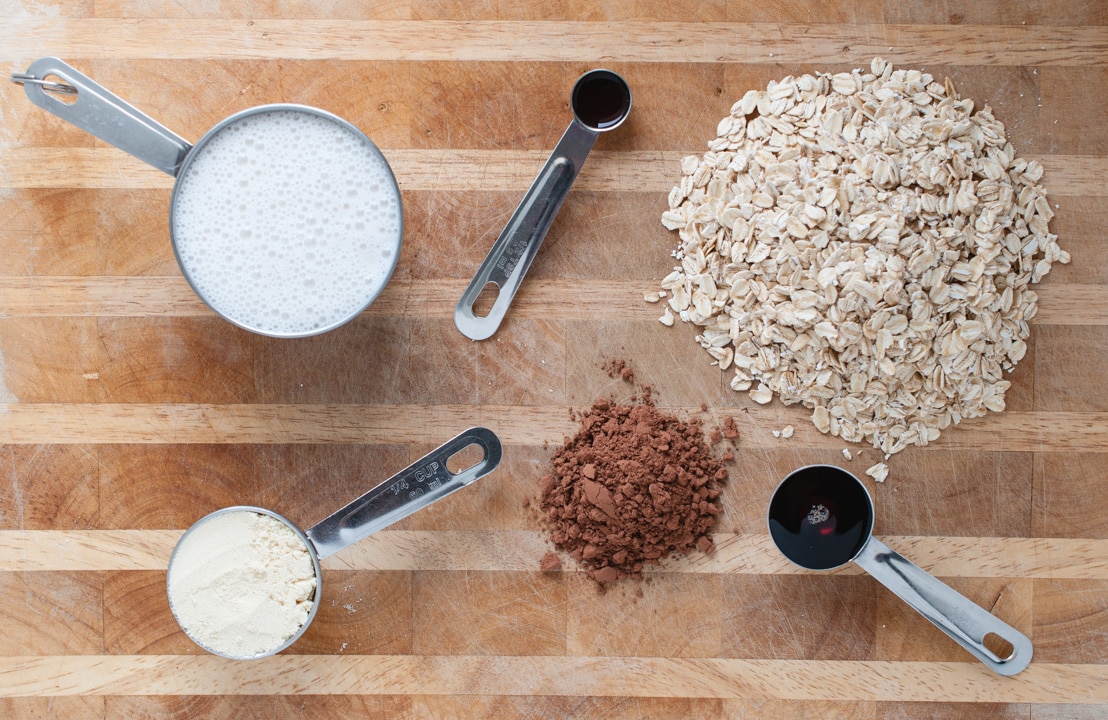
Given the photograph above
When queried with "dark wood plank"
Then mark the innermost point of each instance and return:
(51, 613)
(48, 487)
(488, 613)
(173, 486)
(1070, 621)
(812, 616)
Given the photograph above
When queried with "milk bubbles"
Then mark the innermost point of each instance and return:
(287, 221)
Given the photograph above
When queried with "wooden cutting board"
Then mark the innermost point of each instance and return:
(129, 410)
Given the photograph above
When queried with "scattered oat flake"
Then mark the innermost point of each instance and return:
(787, 431)
(878, 472)
(847, 454)
(761, 395)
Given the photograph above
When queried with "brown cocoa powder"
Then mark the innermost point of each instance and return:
(550, 563)
(633, 486)
(619, 368)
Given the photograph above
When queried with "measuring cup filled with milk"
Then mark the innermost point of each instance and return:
(245, 582)
(285, 219)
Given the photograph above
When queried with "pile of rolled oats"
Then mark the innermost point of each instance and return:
(863, 243)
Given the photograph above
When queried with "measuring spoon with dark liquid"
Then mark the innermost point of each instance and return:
(601, 101)
(821, 517)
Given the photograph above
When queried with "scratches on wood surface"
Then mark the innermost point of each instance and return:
(128, 410)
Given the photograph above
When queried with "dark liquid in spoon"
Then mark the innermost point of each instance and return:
(820, 517)
(601, 99)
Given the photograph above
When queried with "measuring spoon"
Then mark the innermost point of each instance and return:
(601, 101)
(821, 517)
(423, 482)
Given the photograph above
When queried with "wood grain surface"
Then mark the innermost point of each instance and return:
(128, 410)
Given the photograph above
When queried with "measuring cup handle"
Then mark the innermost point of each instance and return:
(413, 488)
(953, 613)
(519, 242)
(103, 114)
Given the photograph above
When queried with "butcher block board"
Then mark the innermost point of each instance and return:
(129, 410)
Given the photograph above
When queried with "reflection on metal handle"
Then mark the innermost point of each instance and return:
(413, 488)
(99, 112)
(953, 613)
(513, 251)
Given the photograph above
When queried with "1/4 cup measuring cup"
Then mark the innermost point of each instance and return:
(821, 517)
(285, 219)
(601, 101)
(244, 582)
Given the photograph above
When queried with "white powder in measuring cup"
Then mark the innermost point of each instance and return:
(287, 222)
(241, 583)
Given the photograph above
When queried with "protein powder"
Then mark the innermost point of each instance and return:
(241, 583)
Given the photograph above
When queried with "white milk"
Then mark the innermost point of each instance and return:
(287, 222)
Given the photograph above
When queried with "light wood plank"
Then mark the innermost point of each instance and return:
(460, 41)
(456, 169)
(520, 550)
(1060, 303)
(557, 676)
(93, 423)
(77, 550)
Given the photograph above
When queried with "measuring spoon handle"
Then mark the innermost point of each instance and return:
(519, 242)
(413, 488)
(953, 613)
(102, 114)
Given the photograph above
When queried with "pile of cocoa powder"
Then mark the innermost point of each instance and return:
(631, 487)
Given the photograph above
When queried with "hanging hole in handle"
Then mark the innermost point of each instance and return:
(998, 646)
(57, 88)
(467, 458)
(482, 305)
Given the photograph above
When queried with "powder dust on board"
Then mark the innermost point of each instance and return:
(633, 486)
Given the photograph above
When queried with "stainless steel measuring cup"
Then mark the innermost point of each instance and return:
(821, 517)
(282, 282)
(601, 101)
(423, 482)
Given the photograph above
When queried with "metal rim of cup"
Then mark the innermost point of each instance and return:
(197, 150)
(824, 467)
(315, 568)
(613, 75)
